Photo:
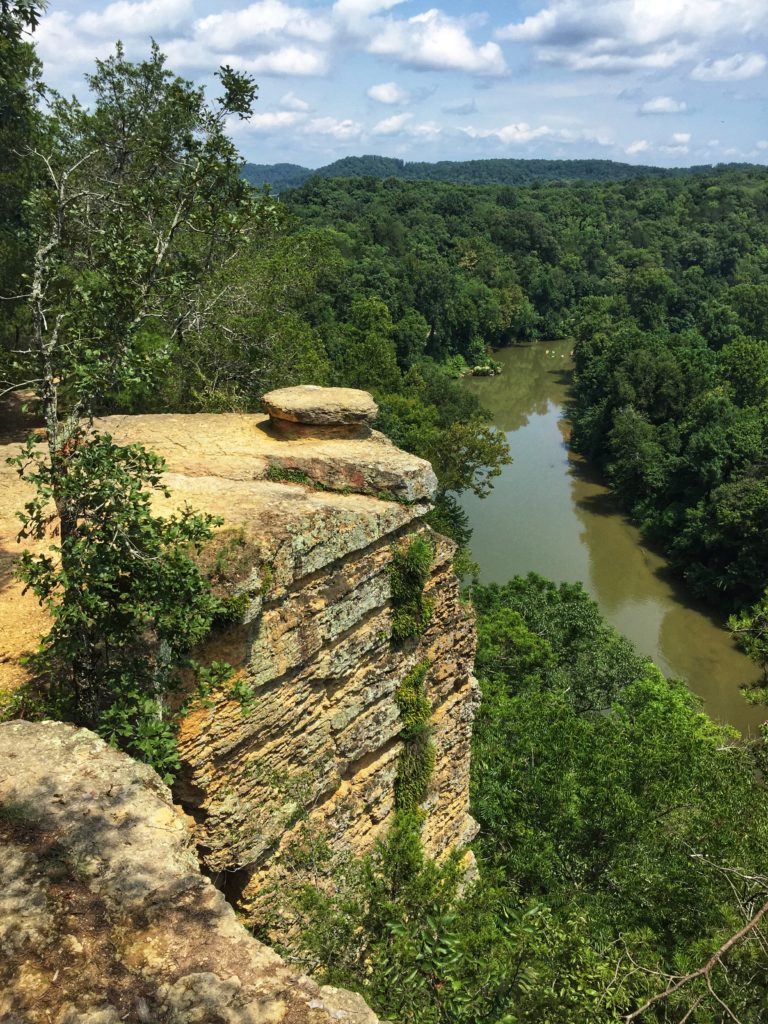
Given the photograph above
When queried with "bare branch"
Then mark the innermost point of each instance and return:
(703, 971)
(19, 386)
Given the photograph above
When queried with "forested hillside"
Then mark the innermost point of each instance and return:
(663, 286)
(615, 853)
(468, 172)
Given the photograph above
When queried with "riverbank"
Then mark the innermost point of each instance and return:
(550, 513)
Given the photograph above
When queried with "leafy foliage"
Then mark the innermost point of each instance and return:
(417, 759)
(750, 631)
(127, 601)
(408, 575)
(596, 782)
(398, 929)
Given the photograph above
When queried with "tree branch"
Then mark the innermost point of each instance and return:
(703, 971)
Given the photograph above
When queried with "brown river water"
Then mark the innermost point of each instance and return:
(549, 513)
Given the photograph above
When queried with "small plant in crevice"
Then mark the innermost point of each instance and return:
(283, 475)
(227, 564)
(267, 578)
(417, 758)
(408, 576)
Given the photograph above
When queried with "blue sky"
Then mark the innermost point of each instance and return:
(669, 82)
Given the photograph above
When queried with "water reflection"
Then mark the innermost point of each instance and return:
(550, 513)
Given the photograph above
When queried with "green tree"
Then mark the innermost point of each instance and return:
(139, 198)
(364, 353)
(136, 200)
(750, 631)
(126, 599)
(21, 125)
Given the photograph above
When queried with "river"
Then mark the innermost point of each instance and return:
(549, 513)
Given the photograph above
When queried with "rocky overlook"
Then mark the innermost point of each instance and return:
(315, 505)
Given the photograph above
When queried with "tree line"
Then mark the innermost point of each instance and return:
(470, 172)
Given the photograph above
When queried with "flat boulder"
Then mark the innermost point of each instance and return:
(314, 406)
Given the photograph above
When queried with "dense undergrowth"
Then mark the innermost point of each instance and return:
(615, 853)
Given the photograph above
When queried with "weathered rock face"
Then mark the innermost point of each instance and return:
(316, 746)
(104, 915)
(329, 412)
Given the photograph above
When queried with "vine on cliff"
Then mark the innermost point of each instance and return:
(408, 575)
(417, 759)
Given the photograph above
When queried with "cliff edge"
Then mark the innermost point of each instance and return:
(317, 506)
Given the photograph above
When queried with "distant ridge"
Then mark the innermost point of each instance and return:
(471, 172)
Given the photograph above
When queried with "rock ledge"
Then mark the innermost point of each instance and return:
(104, 915)
(310, 404)
(311, 411)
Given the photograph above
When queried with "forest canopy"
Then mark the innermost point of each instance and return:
(468, 172)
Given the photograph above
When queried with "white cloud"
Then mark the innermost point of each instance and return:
(362, 8)
(638, 146)
(270, 19)
(290, 101)
(600, 58)
(679, 143)
(762, 144)
(273, 120)
(401, 124)
(145, 17)
(512, 134)
(287, 60)
(435, 40)
(61, 44)
(388, 92)
(341, 130)
(636, 22)
(619, 35)
(427, 130)
(391, 125)
(521, 133)
(664, 105)
(266, 38)
(730, 69)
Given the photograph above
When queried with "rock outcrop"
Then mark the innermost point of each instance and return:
(311, 524)
(320, 412)
(104, 914)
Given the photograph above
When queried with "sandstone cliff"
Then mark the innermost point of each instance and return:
(314, 507)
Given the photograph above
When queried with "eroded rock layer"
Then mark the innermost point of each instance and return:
(104, 914)
(307, 740)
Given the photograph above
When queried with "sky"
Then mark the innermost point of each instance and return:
(665, 82)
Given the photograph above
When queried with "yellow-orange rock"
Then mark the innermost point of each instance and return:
(104, 914)
(319, 741)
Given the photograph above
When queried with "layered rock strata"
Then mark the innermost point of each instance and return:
(320, 412)
(312, 523)
(104, 914)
